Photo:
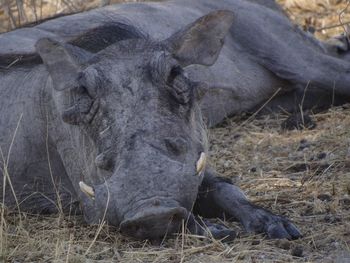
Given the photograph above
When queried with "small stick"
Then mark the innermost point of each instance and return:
(332, 26)
(341, 22)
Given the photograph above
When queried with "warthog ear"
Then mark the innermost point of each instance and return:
(62, 61)
(201, 41)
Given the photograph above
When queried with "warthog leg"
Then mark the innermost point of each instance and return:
(204, 227)
(218, 197)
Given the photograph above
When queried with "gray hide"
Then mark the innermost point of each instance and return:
(257, 51)
(118, 103)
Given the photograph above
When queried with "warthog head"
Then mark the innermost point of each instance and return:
(131, 109)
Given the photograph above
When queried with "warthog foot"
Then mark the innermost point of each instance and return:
(218, 197)
(262, 221)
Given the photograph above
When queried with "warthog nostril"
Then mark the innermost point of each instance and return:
(156, 202)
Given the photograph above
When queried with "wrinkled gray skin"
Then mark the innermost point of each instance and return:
(114, 97)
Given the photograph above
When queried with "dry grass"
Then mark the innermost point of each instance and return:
(324, 16)
(304, 175)
(16, 13)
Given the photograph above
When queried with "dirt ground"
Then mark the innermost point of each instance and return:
(304, 175)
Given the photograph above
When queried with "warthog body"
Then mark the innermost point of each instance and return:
(114, 97)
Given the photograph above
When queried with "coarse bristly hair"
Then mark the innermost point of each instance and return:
(201, 132)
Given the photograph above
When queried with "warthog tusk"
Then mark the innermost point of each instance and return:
(201, 162)
(88, 190)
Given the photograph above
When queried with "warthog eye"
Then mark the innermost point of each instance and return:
(174, 72)
(180, 85)
(83, 109)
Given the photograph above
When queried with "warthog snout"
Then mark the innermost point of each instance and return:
(154, 222)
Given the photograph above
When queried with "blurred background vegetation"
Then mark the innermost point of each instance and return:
(324, 17)
(16, 13)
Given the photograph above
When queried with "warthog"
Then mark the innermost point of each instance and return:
(105, 108)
